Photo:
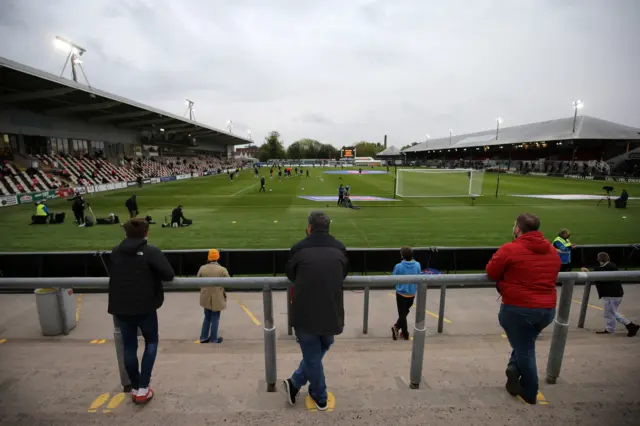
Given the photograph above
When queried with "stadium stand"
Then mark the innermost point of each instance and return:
(58, 171)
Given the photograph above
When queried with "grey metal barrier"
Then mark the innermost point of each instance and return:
(267, 284)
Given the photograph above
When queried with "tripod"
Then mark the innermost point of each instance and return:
(607, 196)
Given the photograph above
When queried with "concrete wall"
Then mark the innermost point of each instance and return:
(16, 121)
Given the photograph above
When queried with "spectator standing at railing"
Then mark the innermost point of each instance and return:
(611, 293)
(525, 272)
(212, 299)
(136, 272)
(405, 293)
(317, 267)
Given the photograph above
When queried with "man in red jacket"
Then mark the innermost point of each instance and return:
(525, 271)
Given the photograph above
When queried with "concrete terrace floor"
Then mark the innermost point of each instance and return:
(72, 381)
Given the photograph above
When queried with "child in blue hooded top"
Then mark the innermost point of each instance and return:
(405, 293)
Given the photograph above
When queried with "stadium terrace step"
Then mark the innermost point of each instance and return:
(464, 385)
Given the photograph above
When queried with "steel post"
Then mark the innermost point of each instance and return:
(61, 311)
(560, 331)
(117, 338)
(365, 319)
(269, 340)
(443, 297)
(419, 334)
(289, 312)
(585, 304)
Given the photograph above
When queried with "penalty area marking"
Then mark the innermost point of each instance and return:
(566, 197)
(244, 189)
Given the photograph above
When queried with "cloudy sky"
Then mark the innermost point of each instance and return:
(341, 71)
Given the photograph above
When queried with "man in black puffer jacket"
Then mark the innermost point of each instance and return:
(317, 267)
(136, 272)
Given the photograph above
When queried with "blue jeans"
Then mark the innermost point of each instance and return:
(522, 327)
(148, 324)
(310, 369)
(210, 326)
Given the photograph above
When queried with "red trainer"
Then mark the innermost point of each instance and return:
(134, 394)
(144, 398)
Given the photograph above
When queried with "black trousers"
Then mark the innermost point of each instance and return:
(340, 199)
(79, 214)
(404, 304)
(262, 189)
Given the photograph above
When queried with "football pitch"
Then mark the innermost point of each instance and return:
(234, 214)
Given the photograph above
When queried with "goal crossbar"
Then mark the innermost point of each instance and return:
(441, 183)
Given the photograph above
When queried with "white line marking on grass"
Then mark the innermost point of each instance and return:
(244, 189)
(361, 233)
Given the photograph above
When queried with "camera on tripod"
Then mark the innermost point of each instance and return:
(608, 191)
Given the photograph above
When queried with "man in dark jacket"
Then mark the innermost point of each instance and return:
(132, 206)
(611, 293)
(136, 272)
(177, 217)
(77, 206)
(525, 271)
(317, 267)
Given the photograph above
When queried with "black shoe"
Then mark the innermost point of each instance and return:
(632, 329)
(603, 332)
(394, 332)
(513, 380)
(405, 336)
(321, 406)
(291, 392)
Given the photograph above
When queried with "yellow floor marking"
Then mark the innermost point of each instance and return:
(427, 311)
(249, 313)
(115, 402)
(99, 402)
(504, 336)
(2, 341)
(78, 306)
(311, 406)
(93, 342)
(197, 342)
(101, 341)
(97, 342)
(541, 399)
(591, 306)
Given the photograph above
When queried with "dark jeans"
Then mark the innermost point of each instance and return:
(522, 327)
(310, 369)
(340, 199)
(148, 324)
(79, 214)
(210, 326)
(404, 305)
(262, 189)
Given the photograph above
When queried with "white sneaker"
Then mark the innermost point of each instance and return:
(81, 226)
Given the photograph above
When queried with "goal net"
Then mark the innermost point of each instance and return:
(439, 182)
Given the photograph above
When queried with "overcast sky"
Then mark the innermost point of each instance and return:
(341, 71)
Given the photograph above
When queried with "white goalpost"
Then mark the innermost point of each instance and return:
(439, 183)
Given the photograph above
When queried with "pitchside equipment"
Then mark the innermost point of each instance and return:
(439, 183)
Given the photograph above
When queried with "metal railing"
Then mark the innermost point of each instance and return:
(268, 284)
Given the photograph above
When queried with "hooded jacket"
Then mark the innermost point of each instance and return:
(407, 267)
(526, 271)
(136, 272)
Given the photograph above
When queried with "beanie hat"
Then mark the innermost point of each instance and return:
(213, 256)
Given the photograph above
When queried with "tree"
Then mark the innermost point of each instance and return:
(409, 146)
(368, 149)
(272, 148)
(310, 148)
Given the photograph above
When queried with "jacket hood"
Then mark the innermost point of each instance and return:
(535, 242)
(132, 245)
(409, 266)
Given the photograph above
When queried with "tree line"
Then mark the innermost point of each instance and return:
(273, 149)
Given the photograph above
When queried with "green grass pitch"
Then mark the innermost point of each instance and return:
(234, 215)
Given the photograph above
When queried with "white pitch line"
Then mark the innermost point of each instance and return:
(244, 189)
